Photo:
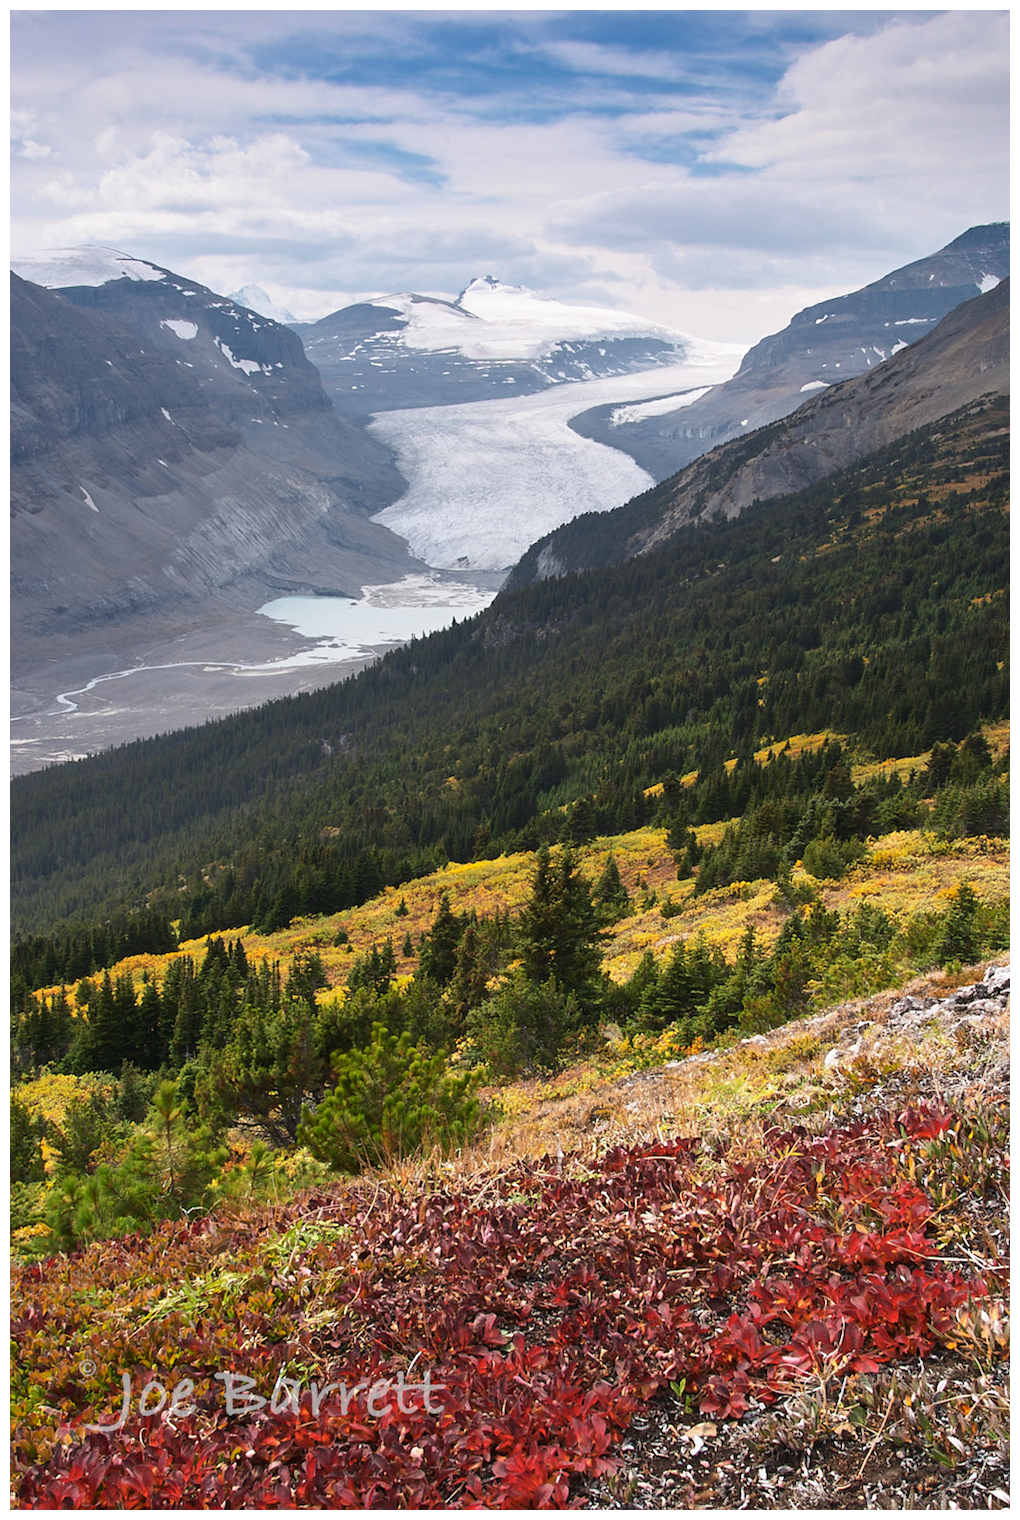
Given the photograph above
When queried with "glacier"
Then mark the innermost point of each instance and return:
(488, 478)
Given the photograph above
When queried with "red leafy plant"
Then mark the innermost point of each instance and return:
(546, 1323)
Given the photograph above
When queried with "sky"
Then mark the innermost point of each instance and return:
(713, 170)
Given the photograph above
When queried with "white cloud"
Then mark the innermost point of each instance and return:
(874, 150)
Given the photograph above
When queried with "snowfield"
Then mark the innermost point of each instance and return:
(487, 478)
(89, 265)
(657, 408)
(493, 321)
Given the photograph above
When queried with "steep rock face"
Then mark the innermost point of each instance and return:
(822, 346)
(964, 359)
(250, 367)
(73, 377)
(169, 446)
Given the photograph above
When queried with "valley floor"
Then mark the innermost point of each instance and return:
(136, 681)
(174, 681)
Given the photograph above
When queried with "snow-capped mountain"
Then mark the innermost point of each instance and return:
(822, 346)
(257, 300)
(253, 366)
(410, 350)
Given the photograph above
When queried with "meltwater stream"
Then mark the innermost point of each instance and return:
(343, 629)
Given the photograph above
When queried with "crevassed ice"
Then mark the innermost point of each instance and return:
(488, 478)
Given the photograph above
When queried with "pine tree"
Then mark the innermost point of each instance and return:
(388, 1102)
(266, 1074)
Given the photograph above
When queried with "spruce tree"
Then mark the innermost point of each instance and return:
(610, 895)
(558, 929)
(439, 952)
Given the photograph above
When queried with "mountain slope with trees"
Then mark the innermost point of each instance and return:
(872, 605)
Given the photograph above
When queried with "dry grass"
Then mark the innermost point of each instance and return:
(729, 1095)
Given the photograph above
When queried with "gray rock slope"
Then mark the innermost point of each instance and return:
(822, 346)
(170, 447)
(964, 358)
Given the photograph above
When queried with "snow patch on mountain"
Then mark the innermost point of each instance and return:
(488, 478)
(657, 408)
(184, 330)
(55, 268)
(249, 366)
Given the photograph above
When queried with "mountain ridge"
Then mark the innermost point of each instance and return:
(175, 459)
(965, 357)
(409, 350)
(821, 345)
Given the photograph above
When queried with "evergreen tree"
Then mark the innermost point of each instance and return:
(529, 1027)
(959, 939)
(473, 971)
(155, 1037)
(374, 971)
(390, 1100)
(610, 895)
(558, 929)
(269, 1070)
(27, 1133)
(166, 1172)
(183, 994)
(439, 951)
(307, 976)
(100, 1043)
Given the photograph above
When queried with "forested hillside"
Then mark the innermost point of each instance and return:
(872, 605)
